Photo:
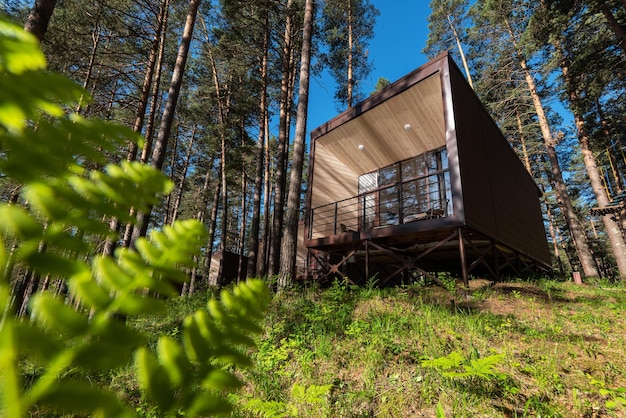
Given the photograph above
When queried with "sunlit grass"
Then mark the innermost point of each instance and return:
(559, 344)
(556, 349)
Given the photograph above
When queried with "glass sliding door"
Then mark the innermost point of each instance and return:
(413, 189)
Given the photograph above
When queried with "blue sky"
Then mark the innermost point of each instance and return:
(399, 36)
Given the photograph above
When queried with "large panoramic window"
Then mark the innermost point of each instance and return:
(410, 190)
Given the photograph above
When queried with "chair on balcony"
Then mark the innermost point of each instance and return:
(345, 229)
(433, 212)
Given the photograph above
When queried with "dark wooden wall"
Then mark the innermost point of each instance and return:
(500, 198)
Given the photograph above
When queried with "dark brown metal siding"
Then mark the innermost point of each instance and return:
(500, 198)
(472, 157)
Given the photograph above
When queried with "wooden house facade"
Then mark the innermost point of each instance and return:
(418, 179)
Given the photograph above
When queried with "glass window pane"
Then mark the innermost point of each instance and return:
(444, 159)
(388, 175)
(410, 169)
(431, 162)
(409, 198)
(421, 165)
(388, 205)
(368, 182)
(368, 211)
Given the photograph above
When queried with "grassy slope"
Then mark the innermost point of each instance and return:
(543, 349)
(561, 345)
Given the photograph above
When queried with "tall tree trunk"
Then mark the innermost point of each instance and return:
(458, 44)
(160, 146)
(213, 281)
(242, 227)
(39, 17)
(522, 138)
(350, 86)
(553, 235)
(178, 191)
(263, 257)
(222, 110)
(253, 244)
(615, 26)
(167, 206)
(200, 215)
(611, 226)
(155, 95)
(619, 184)
(95, 38)
(140, 114)
(289, 241)
(285, 108)
(578, 234)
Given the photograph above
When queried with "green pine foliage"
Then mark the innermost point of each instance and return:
(69, 191)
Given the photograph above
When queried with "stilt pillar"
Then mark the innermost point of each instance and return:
(463, 258)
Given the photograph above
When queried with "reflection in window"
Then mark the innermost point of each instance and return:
(389, 206)
(413, 189)
(388, 175)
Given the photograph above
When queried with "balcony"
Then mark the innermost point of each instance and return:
(398, 204)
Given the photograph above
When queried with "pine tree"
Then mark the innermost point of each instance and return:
(289, 242)
(346, 27)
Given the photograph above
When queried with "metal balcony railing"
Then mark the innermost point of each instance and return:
(401, 203)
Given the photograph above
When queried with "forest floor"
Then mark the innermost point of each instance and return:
(513, 349)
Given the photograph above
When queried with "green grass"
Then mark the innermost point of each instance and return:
(514, 349)
(522, 349)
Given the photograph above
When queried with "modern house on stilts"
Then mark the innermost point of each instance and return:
(418, 179)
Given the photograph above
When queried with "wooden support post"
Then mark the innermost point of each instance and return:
(463, 259)
(496, 264)
(367, 260)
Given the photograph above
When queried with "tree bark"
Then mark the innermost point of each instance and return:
(578, 234)
(285, 108)
(615, 26)
(613, 230)
(290, 234)
(522, 138)
(95, 37)
(350, 56)
(200, 215)
(213, 282)
(39, 17)
(222, 111)
(243, 225)
(160, 146)
(253, 244)
(183, 176)
(463, 60)
(263, 257)
(146, 86)
(149, 133)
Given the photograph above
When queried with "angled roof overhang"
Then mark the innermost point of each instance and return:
(402, 120)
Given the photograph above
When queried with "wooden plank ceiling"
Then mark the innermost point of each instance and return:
(407, 124)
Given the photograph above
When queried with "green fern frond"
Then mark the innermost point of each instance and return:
(451, 361)
(52, 155)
